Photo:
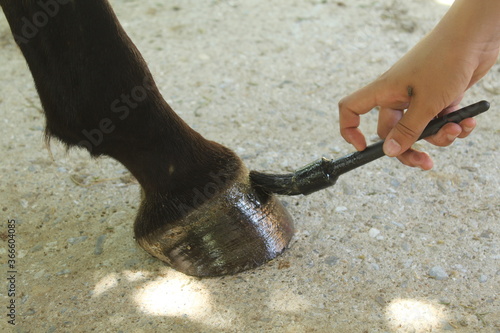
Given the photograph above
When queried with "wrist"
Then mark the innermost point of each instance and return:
(475, 23)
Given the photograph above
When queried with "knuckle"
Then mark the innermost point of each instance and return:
(405, 130)
(342, 104)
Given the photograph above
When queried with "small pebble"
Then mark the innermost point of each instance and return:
(399, 225)
(203, 56)
(63, 272)
(50, 246)
(131, 263)
(444, 301)
(470, 168)
(24, 299)
(76, 240)
(340, 209)
(483, 278)
(335, 149)
(36, 248)
(395, 182)
(30, 312)
(99, 245)
(408, 263)
(39, 274)
(486, 234)
(380, 300)
(443, 186)
(406, 246)
(332, 260)
(373, 232)
(438, 273)
(410, 201)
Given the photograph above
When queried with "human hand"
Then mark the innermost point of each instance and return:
(428, 81)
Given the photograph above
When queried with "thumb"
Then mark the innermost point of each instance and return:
(408, 129)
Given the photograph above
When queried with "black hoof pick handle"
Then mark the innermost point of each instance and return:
(323, 173)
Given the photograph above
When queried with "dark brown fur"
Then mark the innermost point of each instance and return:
(97, 93)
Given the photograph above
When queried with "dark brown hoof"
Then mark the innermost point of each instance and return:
(236, 229)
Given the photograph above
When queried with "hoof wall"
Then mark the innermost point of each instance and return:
(237, 229)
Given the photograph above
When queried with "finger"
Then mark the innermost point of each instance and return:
(387, 119)
(468, 126)
(409, 128)
(350, 108)
(446, 135)
(415, 158)
(449, 132)
(355, 137)
(349, 122)
(361, 102)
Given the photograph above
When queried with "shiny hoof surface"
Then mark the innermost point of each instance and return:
(237, 229)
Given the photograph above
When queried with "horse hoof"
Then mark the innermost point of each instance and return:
(237, 228)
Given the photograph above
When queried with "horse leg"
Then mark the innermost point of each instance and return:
(199, 213)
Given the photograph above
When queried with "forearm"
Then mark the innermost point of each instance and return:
(475, 22)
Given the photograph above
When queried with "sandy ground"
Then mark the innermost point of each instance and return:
(264, 78)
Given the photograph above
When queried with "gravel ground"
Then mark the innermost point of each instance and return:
(388, 249)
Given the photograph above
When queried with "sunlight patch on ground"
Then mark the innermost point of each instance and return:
(445, 2)
(414, 315)
(170, 294)
(173, 296)
(132, 276)
(106, 283)
(111, 281)
(178, 295)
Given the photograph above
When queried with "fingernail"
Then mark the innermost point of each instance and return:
(417, 160)
(392, 148)
(451, 137)
(467, 129)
